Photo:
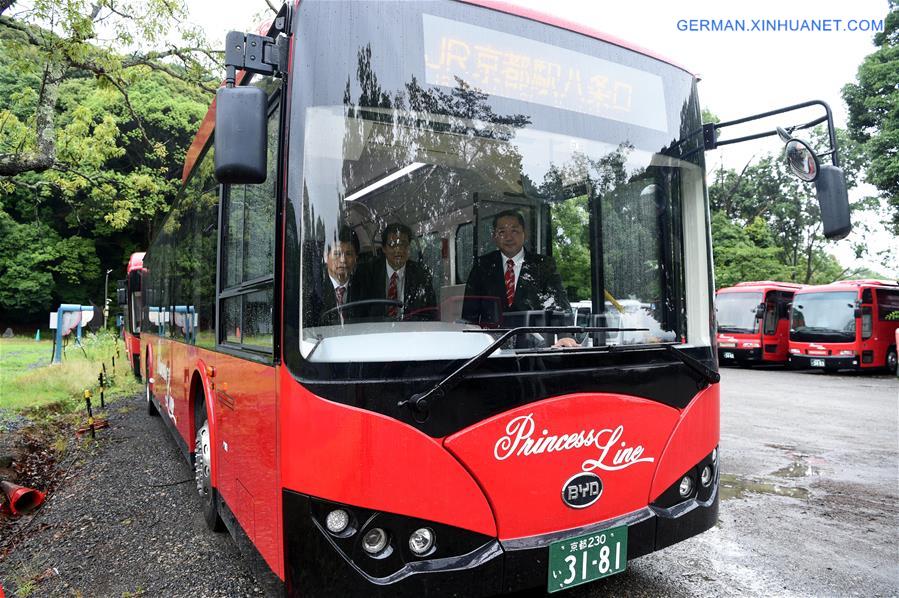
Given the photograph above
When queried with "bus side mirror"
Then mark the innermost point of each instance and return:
(801, 159)
(241, 135)
(833, 199)
(830, 184)
(857, 312)
(759, 311)
(121, 293)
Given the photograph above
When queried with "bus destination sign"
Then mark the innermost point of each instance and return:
(522, 69)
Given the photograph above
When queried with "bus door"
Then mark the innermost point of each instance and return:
(866, 312)
(776, 326)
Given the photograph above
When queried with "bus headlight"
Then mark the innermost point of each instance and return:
(421, 541)
(705, 478)
(337, 521)
(374, 540)
(686, 486)
(699, 483)
(848, 352)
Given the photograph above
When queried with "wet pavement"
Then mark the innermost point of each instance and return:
(809, 507)
(809, 495)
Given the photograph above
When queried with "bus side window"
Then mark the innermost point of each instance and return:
(867, 322)
(771, 314)
(887, 305)
(248, 253)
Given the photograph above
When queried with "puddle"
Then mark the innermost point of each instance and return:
(799, 469)
(734, 487)
(782, 447)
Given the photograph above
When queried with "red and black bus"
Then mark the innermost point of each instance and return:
(130, 300)
(849, 324)
(454, 432)
(754, 322)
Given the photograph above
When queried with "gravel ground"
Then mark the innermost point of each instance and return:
(116, 525)
(10, 421)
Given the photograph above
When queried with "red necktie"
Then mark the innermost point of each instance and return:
(391, 294)
(341, 295)
(510, 282)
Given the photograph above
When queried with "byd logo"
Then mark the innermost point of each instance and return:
(582, 490)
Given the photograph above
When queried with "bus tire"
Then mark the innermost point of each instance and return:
(208, 493)
(891, 361)
(151, 407)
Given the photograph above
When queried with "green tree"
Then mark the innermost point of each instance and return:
(745, 253)
(873, 103)
(766, 192)
(92, 139)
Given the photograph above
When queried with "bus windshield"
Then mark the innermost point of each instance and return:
(440, 202)
(736, 312)
(824, 317)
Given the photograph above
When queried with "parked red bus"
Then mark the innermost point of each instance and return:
(754, 322)
(450, 430)
(130, 300)
(849, 324)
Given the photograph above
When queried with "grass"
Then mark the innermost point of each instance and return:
(29, 381)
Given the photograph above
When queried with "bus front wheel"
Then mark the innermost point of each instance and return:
(891, 360)
(202, 460)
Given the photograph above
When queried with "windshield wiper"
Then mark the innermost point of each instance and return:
(420, 402)
(694, 364)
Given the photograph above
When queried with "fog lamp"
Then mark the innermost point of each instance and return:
(374, 540)
(337, 521)
(705, 477)
(421, 541)
(686, 486)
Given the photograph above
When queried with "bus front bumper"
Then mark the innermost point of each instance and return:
(734, 355)
(824, 362)
(316, 566)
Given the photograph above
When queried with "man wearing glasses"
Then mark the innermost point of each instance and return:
(512, 279)
(395, 278)
(336, 287)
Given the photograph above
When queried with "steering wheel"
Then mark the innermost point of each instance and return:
(363, 303)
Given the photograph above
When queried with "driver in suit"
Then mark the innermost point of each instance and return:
(394, 277)
(514, 278)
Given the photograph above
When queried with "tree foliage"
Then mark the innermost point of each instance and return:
(873, 103)
(767, 224)
(92, 139)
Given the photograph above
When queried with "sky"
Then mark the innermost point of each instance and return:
(741, 72)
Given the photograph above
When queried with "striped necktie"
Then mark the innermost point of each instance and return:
(510, 282)
(392, 294)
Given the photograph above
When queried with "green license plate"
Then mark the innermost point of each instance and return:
(585, 558)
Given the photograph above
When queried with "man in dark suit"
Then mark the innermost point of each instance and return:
(512, 279)
(394, 277)
(337, 286)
